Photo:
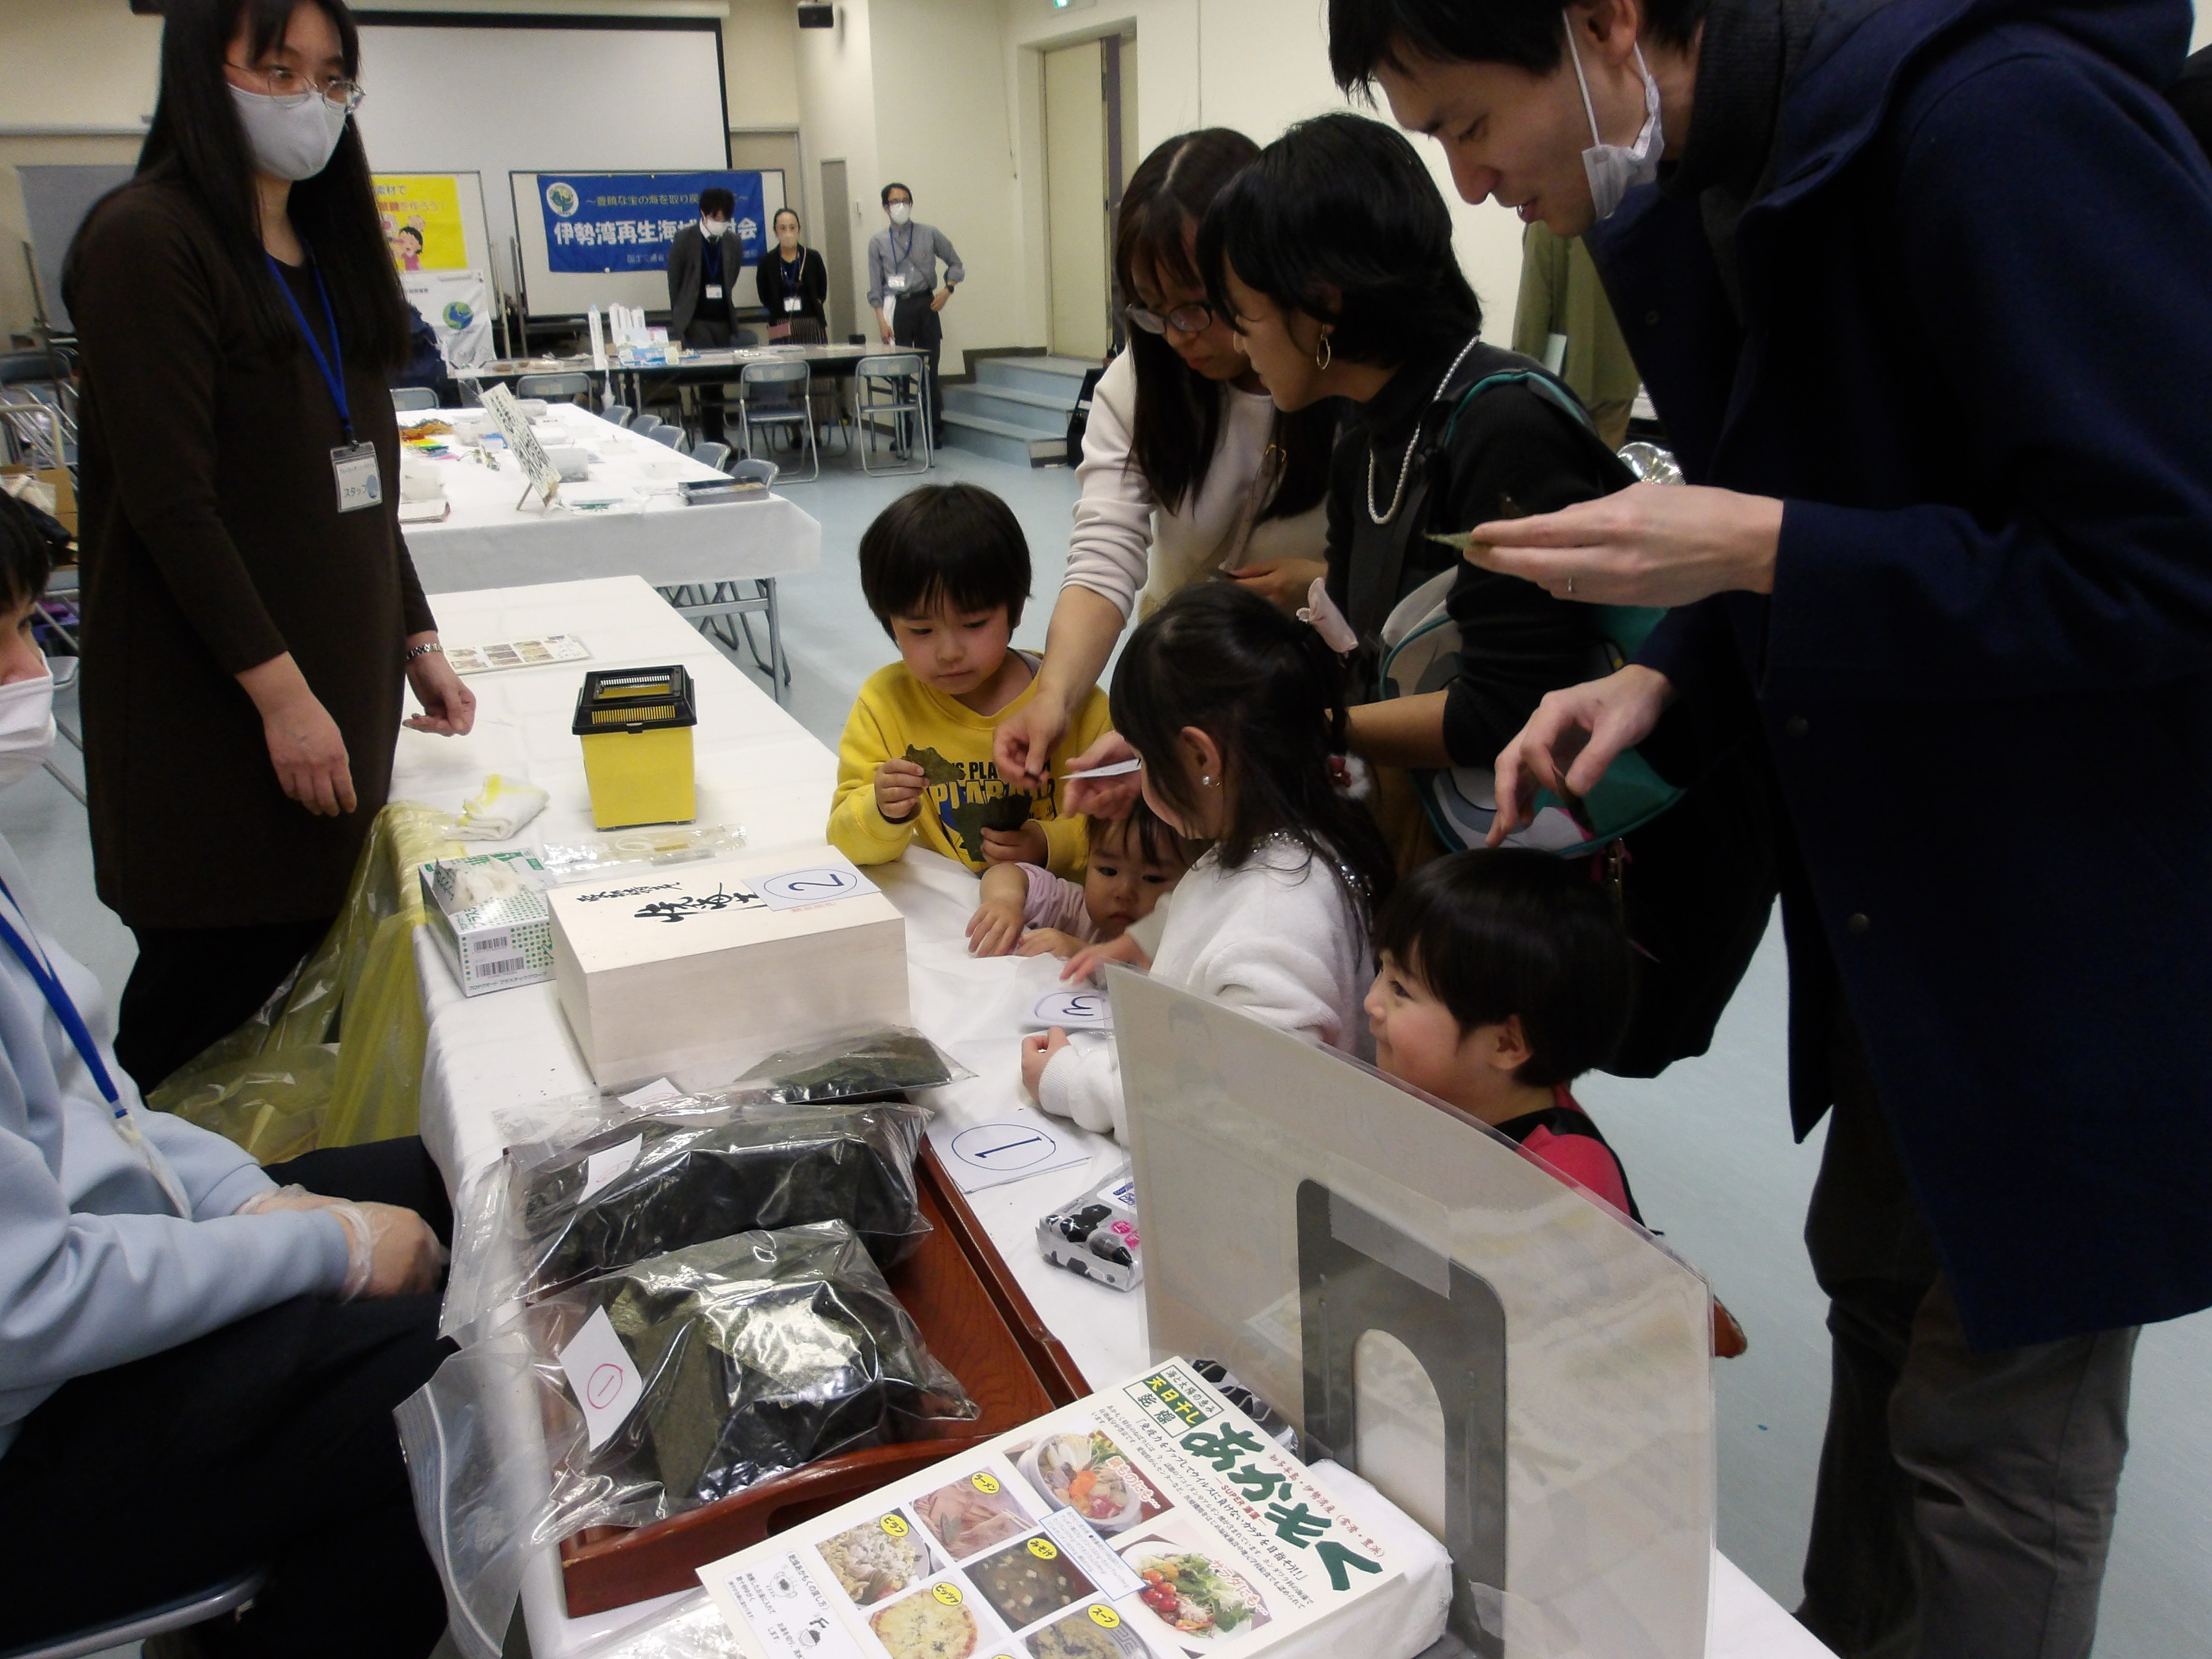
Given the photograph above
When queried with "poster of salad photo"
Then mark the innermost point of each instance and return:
(1154, 1521)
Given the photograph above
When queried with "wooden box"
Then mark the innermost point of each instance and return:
(974, 1319)
(691, 972)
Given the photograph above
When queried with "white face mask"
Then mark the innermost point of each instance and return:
(26, 727)
(713, 229)
(289, 140)
(901, 212)
(1614, 169)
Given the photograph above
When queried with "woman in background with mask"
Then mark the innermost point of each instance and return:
(793, 284)
(206, 1348)
(253, 619)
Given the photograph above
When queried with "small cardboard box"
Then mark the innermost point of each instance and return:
(697, 973)
(490, 912)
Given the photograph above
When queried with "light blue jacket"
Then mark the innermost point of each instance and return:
(96, 1267)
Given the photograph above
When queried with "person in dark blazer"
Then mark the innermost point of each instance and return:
(794, 286)
(253, 621)
(704, 262)
(1921, 293)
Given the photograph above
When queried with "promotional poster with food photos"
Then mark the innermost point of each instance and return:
(1153, 1520)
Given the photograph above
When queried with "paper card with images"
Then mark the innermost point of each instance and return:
(536, 652)
(1149, 1521)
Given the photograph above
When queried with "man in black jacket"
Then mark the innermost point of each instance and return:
(1920, 290)
(704, 261)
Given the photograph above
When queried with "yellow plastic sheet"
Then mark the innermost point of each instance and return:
(337, 1061)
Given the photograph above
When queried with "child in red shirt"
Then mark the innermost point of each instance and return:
(1505, 976)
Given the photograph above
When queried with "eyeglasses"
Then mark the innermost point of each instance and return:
(1193, 319)
(293, 90)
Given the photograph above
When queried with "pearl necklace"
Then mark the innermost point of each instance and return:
(1405, 466)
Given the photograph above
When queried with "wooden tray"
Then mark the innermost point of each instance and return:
(978, 1324)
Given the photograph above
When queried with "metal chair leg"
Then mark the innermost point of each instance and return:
(62, 779)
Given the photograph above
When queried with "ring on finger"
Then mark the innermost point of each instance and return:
(1571, 587)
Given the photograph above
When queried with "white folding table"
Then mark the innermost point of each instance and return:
(489, 1060)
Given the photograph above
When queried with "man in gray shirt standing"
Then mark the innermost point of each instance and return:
(902, 288)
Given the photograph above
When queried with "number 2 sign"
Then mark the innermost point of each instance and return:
(794, 890)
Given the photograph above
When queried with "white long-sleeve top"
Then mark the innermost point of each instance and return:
(1279, 939)
(1125, 541)
(96, 1266)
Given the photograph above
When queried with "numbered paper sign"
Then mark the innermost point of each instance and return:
(794, 890)
(1010, 1148)
(1073, 1011)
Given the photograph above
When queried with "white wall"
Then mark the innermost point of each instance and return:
(1256, 65)
(837, 118)
(945, 131)
(760, 55)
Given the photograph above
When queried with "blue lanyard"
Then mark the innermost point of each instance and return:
(334, 380)
(898, 259)
(791, 271)
(57, 998)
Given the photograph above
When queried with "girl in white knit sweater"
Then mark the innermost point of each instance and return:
(1236, 709)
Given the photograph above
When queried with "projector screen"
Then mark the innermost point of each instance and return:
(535, 92)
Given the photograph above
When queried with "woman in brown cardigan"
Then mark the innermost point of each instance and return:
(251, 610)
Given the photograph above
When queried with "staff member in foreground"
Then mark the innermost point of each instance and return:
(902, 259)
(252, 618)
(1948, 573)
(180, 1340)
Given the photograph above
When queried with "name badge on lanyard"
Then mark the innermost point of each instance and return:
(896, 283)
(354, 467)
(360, 485)
(794, 305)
(714, 291)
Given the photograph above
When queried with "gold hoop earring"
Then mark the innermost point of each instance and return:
(1323, 355)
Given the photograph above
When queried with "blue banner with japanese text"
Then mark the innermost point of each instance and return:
(624, 222)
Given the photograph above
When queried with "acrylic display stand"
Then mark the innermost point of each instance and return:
(1513, 1363)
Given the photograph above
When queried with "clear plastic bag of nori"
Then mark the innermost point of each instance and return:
(759, 1354)
(884, 1060)
(705, 1167)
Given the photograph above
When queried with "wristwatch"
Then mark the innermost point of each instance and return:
(423, 650)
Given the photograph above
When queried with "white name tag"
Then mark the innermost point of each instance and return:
(794, 305)
(360, 484)
(896, 282)
(714, 291)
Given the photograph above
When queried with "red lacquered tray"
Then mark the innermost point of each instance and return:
(976, 1322)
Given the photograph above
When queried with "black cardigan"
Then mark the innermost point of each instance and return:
(1512, 452)
(812, 290)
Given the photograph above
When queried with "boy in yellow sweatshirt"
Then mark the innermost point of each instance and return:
(947, 570)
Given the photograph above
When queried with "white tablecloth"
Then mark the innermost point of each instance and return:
(486, 541)
(757, 767)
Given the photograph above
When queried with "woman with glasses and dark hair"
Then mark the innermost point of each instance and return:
(255, 620)
(1332, 256)
(1188, 471)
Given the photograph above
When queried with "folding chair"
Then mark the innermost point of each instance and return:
(197, 1609)
(571, 384)
(413, 397)
(617, 413)
(781, 395)
(711, 453)
(893, 385)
